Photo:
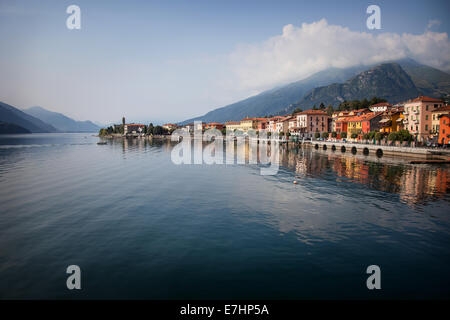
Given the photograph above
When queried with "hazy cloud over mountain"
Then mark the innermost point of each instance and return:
(301, 51)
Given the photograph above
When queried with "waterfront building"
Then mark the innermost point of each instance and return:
(252, 123)
(435, 121)
(312, 121)
(189, 127)
(444, 128)
(392, 120)
(292, 125)
(263, 123)
(282, 124)
(418, 116)
(200, 126)
(339, 121)
(133, 128)
(233, 125)
(170, 126)
(363, 123)
(214, 125)
(380, 107)
(273, 123)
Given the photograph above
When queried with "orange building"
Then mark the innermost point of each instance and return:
(444, 129)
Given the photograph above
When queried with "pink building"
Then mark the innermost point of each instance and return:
(418, 116)
(312, 121)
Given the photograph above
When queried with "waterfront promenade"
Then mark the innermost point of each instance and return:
(379, 150)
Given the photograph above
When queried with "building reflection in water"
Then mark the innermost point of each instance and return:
(413, 183)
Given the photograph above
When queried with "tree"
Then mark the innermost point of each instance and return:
(314, 107)
(325, 135)
(317, 135)
(334, 134)
(343, 135)
(354, 135)
(404, 135)
(150, 128)
(378, 136)
(376, 100)
(123, 121)
(330, 110)
(297, 110)
(393, 136)
(321, 106)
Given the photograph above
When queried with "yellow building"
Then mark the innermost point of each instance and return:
(354, 125)
(248, 123)
(233, 125)
(392, 120)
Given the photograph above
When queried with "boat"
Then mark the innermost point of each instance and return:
(102, 142)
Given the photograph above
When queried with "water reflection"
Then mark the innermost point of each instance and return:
(413, 183)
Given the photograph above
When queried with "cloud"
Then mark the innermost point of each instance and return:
(301, 51)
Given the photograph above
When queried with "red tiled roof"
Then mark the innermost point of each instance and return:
(364, 117)
(381, 104)
(425, 98)
(275, 118)
(441, 109)
(311, 111)
(232, 122)
(286, 118)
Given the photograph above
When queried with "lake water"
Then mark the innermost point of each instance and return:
(140, 226)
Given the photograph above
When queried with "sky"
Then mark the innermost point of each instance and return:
(167, 61)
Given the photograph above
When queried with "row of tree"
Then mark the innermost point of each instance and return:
(149, 130)
(402, 135)
(344, 106)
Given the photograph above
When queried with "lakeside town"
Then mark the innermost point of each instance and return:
(419, 122)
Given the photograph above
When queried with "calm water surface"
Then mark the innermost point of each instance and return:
(140, 226)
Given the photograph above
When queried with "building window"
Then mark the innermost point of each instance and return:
(426, 117)
(426, 127)
(427, 108)
(435, 106)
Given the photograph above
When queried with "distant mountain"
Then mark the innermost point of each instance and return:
(427, 81)
(7, 128)
(61, 122)
(387, 81)
(272, 101)
(12, 115)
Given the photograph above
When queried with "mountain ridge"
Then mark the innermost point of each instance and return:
(427, 80)
(387, 80)
(12, 115)
(60, 121)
